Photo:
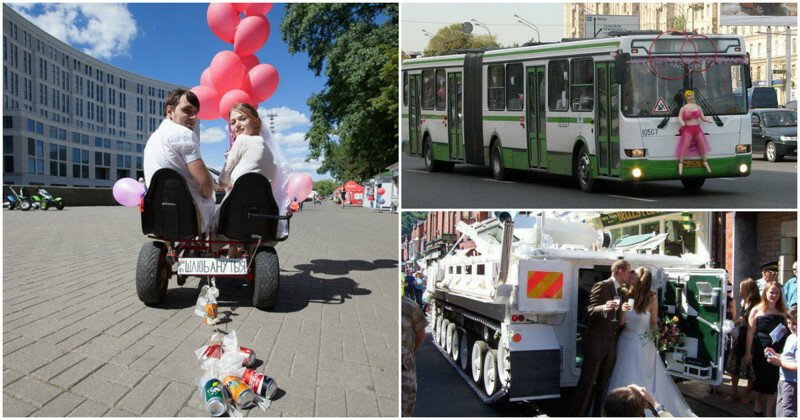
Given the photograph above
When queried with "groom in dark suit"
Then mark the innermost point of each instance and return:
(600, 339)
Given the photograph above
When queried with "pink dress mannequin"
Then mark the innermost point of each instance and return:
(689, 117)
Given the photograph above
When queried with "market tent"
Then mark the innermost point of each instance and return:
(355, 192)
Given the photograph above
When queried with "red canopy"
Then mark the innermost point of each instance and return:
(353, 187)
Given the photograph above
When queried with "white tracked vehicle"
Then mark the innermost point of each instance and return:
(509, 313)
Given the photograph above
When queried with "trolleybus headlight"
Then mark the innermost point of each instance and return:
(636, 172)
(742, 148)
(636, 153)
(743, 168)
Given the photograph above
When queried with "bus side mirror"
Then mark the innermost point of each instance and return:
(748, 82)
(621, 68)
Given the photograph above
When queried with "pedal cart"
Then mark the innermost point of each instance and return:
(248, 218)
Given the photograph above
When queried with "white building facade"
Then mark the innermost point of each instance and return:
(68, 118)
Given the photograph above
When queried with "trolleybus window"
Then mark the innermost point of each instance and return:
(558, 85)
(405, 88)
(581, 94)
(441, 90)
(514, 87)
(496, 86)
(721, 85)
(428, 89)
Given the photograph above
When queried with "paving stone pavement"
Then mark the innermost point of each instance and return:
(78, 342)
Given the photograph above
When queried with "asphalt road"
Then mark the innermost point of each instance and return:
(769, 186)
(442, 393)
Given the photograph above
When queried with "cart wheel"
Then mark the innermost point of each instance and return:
(478, 350)
(152, 273)
(490, 380)
(60, 205)
(24, 205)
(464, 350)
(267, 278)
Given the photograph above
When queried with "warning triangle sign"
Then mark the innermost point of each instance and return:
(661, 106)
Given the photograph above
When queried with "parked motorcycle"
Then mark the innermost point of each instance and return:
(46, 200)
(18, 200)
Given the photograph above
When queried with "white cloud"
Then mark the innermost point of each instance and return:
(100, 30)
(212, 135)
(284, 117)
(291, 139)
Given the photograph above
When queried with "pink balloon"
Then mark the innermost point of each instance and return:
(249, 61)
(300, 185)
(232, 98)
(209, 102)
(205, 78)
(381, 191)
(227, 71)
(264, 80)
(258, 9)
(222, 19)
(128, 192)
(247, 87)
(251, 34)
(241, 7)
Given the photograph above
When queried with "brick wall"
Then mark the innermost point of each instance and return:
(768, 226)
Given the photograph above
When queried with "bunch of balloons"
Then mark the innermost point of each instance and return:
(236, 76)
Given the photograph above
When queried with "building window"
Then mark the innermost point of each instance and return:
(58, 160)
(35, 156)
(80, 163)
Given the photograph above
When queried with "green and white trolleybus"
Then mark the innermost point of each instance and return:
(595, 109)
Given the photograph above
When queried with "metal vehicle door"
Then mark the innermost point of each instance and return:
(697, 298)
(607, 120)
(454, 113)
(757, 131)
(535, 115)
(414, 114)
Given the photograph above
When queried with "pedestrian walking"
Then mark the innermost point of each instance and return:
(413, 325)
(343, 195)
(419, 287)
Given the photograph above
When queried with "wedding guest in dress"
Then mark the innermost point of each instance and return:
(766, 329)
(735, 367)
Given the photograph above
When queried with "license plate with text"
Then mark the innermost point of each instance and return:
(212, 266)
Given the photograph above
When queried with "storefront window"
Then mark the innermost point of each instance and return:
(679, 240)
(650, 228)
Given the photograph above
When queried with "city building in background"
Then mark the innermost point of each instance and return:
(707, 18)
(432, 237)
(68, 118)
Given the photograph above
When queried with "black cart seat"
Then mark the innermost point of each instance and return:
(250, 210)
(169, 211)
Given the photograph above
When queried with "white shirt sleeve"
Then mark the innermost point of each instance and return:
(188, 146)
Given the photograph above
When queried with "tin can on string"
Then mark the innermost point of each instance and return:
(213, 397)
(212, 312)
(261, 384)
(240, 393)
(213, 351)
(250, 356)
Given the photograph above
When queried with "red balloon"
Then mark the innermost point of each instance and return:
(232, 98)
(249, 61)
(222, 19)
(241, 7)
(258, 9)
(264, 80)
(227, 71)
(381, 191)
(209, 102)
(247, 87)
(205, 78)
(251, 34)
(370, 198)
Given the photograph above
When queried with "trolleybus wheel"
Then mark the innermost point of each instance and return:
(451, 331)
(455, 345)
(498, 168)
(464, 351)
(583, 170)
(490, 379)
(432, 165)
(693, 183)
(478, 351)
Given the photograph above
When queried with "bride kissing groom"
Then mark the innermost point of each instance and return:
(639, 362)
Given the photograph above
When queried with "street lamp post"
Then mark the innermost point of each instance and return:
(525, 22)
(483, 25)
(428, 34)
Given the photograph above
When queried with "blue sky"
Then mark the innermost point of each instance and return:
(173, 43)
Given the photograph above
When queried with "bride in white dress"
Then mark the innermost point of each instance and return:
(638, 361)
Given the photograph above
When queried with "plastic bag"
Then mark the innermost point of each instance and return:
(207, 306)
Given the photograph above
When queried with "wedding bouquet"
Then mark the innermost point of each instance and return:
(667, 336)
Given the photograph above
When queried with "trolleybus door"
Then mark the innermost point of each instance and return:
(537, 144)
(414, 115)
(454, 110)
(607, 120)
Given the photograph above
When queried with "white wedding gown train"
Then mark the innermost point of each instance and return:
(638, 363)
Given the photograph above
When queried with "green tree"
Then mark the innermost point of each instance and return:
(354, 124)
(325, 187)
(408, 218)
(450, 38)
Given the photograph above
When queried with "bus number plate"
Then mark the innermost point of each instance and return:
(649, 132)
(693, 164)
